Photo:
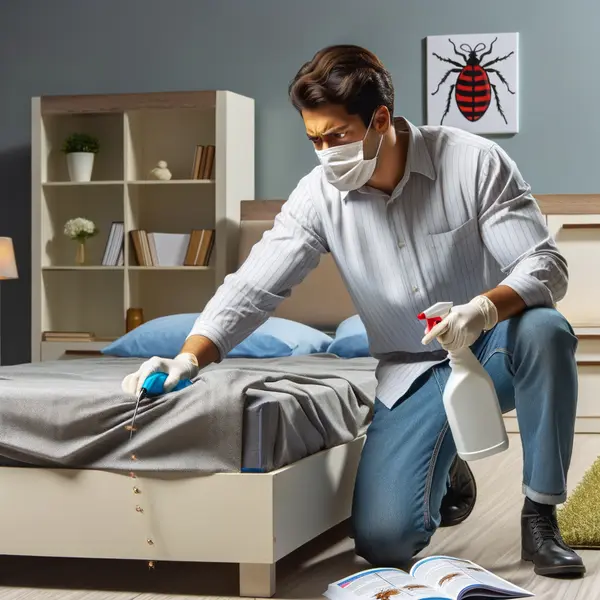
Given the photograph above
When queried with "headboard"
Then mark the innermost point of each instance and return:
(321, 300)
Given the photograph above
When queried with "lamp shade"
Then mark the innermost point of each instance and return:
(8, 265)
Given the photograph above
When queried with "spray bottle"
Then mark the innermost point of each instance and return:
(470, 399)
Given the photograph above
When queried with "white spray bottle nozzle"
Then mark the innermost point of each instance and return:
(434, 314)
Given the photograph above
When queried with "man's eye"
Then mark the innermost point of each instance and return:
(339, 136)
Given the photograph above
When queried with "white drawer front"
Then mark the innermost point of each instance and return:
(578, 238)
(588, 403)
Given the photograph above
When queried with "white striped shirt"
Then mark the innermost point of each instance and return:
(461, 221)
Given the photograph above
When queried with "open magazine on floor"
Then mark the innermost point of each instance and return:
(433, 578)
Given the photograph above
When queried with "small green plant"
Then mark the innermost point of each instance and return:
(81, 142)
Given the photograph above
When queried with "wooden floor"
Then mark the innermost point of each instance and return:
(307, 573)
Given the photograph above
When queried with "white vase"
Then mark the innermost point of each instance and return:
(80, 165)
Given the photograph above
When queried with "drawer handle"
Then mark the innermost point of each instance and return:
(581, 226)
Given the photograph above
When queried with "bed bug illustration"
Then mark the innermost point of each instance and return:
(386, 594)
(473, 89)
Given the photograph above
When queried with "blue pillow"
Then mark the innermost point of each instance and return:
(350, 339)
(165, 336)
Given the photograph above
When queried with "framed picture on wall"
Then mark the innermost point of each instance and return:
(473, 82)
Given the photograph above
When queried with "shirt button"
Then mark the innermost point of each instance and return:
(415, 289)
(401, 244)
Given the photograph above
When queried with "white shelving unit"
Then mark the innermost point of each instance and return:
(135, 131)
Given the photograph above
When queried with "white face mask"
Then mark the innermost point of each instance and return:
(345, 166)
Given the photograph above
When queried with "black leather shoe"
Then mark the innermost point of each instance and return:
(542, 543)
(459, 501)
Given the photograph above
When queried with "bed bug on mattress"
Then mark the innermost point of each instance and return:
(473, 89)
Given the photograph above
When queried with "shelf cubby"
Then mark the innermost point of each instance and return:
(172, 136)
(101, 204)
(108, 128)
(83, 300)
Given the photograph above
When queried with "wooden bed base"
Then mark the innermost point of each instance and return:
(250, 519)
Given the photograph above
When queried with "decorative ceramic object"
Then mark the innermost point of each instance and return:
(161, 172)
(80, 230)
(135, 318)
(80, 149)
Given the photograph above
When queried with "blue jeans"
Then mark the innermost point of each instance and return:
(403, 472)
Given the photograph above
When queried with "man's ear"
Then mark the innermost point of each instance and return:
(382, 120)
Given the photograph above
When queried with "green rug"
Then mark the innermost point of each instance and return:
(579, 518)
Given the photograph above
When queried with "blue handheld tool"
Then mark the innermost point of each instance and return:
(154, 386)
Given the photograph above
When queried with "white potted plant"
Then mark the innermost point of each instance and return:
(80, 149)
(80, 230)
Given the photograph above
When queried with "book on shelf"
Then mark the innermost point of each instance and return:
(204, 158)
(136, 240)
(209, 163)
(114, 249)
(432, 578)
(197, 162)
(200, 248)
(168, 249)
(68, 336)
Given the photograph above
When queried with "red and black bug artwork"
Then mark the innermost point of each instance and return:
(475, 87)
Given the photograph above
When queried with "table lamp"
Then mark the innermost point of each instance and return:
(8, 265)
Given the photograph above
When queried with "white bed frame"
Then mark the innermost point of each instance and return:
(253, 519)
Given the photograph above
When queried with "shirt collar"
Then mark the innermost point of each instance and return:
(418, 159)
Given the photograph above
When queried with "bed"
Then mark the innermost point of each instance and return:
(284, 496)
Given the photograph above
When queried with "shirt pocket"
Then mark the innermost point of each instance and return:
(454, 255)
(447, 238)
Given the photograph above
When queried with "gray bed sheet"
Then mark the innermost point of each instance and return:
(278, 427)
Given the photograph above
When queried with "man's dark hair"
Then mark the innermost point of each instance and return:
(345, 75)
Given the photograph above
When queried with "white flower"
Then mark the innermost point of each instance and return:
(80, 228)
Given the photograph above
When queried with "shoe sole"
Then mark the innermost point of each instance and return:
(556, 571)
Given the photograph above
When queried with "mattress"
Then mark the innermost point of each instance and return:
(273, 421)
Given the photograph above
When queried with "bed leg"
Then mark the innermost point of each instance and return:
(257, 580)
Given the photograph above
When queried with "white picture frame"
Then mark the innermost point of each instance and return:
(473, 82)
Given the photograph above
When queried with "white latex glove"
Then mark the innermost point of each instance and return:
(464, 324)
(183, 366)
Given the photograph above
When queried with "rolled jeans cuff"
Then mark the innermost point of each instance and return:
(540, 498)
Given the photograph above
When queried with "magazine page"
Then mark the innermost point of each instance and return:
(462, 579)
(382, 584)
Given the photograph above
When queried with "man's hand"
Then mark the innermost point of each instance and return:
(183, 366)
(464, 324)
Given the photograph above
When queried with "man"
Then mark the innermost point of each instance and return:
(413, 216)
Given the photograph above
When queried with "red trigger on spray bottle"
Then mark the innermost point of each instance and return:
(434, 314)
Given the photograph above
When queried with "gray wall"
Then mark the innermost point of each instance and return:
(254, 47)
